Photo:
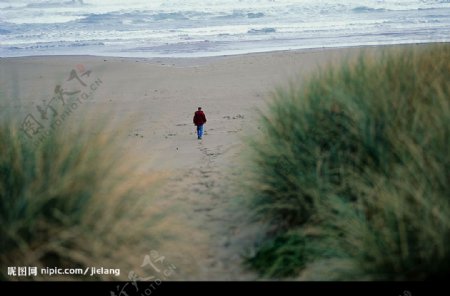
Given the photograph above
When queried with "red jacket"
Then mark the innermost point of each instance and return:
(199, 118)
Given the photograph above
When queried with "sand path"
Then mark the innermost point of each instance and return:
(218, 228)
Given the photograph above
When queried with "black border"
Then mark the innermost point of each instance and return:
(225, 288)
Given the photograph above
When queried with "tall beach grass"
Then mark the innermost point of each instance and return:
(352, 170)
(75, 200)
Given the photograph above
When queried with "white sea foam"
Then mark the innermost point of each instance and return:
(213, 27)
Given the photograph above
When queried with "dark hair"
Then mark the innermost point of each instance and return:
(199, 108)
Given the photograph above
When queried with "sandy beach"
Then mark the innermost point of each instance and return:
(158, 97)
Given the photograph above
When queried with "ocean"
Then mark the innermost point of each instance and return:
(189, 28)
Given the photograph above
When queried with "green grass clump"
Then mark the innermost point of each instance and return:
(74, 201)
(360, 153)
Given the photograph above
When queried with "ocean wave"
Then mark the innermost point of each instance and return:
(169, 16)
(140, 17)
(99, 18)
(180, 47)
(53, 4)
(240, 14)
(255, 15)
(58, 44)
(365, 9)
(261, 31)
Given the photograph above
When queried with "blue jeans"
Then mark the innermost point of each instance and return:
(199, 131)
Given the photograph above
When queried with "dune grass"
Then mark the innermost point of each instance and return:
(352, 170)
(74, 201)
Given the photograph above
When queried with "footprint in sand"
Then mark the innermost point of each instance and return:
(239, 116)
(203, 209)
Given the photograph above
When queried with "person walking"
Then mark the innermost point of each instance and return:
(199, 121)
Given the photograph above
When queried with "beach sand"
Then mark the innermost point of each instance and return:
(158, 98)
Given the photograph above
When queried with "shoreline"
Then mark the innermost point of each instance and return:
(208, 58)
